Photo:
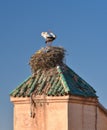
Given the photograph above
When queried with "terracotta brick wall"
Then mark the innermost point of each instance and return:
(59, 113)
(51, 115)
(101, 119)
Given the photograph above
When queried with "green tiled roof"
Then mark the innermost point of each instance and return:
(58, 81)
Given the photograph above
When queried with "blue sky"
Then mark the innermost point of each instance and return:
(81, 28)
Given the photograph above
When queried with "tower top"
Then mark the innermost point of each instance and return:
(51, 77)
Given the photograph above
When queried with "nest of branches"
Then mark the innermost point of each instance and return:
(47, 58)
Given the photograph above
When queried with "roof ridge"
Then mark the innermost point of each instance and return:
(63, 80)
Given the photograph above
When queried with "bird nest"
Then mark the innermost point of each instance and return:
(47, 58)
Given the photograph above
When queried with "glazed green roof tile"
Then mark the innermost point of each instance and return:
(58, 81)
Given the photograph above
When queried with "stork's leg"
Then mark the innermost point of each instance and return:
(49, 43)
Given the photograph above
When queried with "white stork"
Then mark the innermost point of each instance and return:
(49, 37)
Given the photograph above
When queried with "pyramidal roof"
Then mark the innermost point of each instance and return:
(52, 77)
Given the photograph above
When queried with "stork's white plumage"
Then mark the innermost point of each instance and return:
(49, 37)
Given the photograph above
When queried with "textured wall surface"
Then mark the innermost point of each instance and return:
(64, 113)
(50, 115)
(101, 120)
(81, 117)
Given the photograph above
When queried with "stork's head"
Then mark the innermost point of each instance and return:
(44, 34)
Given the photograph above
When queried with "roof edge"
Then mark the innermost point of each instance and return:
(19, 85)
